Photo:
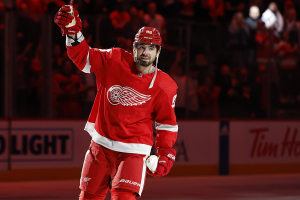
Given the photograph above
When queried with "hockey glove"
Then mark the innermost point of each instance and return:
(166, 158)
(69, 24)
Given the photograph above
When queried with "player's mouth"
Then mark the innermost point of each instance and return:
(145, 58)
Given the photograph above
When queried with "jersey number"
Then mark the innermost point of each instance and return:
(174, 100)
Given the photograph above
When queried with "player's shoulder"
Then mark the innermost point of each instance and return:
(125, 54)
(165, 82)
(116, 53)
(120, 52)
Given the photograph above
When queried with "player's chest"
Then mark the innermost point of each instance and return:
(124, 88)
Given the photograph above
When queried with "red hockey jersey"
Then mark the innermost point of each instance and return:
(124, 108)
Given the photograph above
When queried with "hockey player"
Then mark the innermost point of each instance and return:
(132, 94)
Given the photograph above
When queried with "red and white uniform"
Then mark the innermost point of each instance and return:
(124, 108)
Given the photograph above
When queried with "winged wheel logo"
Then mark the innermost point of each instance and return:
(126, 96)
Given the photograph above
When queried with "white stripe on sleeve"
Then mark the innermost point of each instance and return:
(87, 67)
(166, 127)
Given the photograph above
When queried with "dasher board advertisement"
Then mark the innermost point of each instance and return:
(197, 143)
(44, 143)
(63, 143)
(259, 142)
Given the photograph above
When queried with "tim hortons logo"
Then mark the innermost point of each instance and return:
(126, 96)
(262, 148)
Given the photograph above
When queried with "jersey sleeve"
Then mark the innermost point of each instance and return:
(165, 120)
(87, 59)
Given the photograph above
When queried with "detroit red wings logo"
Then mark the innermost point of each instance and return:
(126, 96)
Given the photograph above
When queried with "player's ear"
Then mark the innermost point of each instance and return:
(134, 53)
(134, 48)
(157, 53)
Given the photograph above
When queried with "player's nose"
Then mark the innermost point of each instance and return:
(147, 51)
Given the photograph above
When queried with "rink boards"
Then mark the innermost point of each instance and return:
(264, 147)
(55, 149)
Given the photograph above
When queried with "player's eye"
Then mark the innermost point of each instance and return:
(151, 48)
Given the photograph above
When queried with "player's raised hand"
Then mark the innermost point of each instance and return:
(67, 18)
(166, 158)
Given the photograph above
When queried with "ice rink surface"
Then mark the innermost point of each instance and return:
(255, 187)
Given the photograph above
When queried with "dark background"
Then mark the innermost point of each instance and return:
(225, 65)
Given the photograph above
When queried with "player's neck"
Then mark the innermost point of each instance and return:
(144, 70)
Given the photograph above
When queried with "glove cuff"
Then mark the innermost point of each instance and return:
(70, 41)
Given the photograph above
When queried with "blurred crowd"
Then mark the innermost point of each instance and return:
(241, 60)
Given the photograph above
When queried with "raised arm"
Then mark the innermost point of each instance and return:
(87, 59)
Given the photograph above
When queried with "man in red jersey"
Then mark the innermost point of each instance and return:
(132, 94)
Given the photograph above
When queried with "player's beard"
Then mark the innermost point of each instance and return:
(145, 63)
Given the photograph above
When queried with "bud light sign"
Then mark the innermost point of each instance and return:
(37, 144)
